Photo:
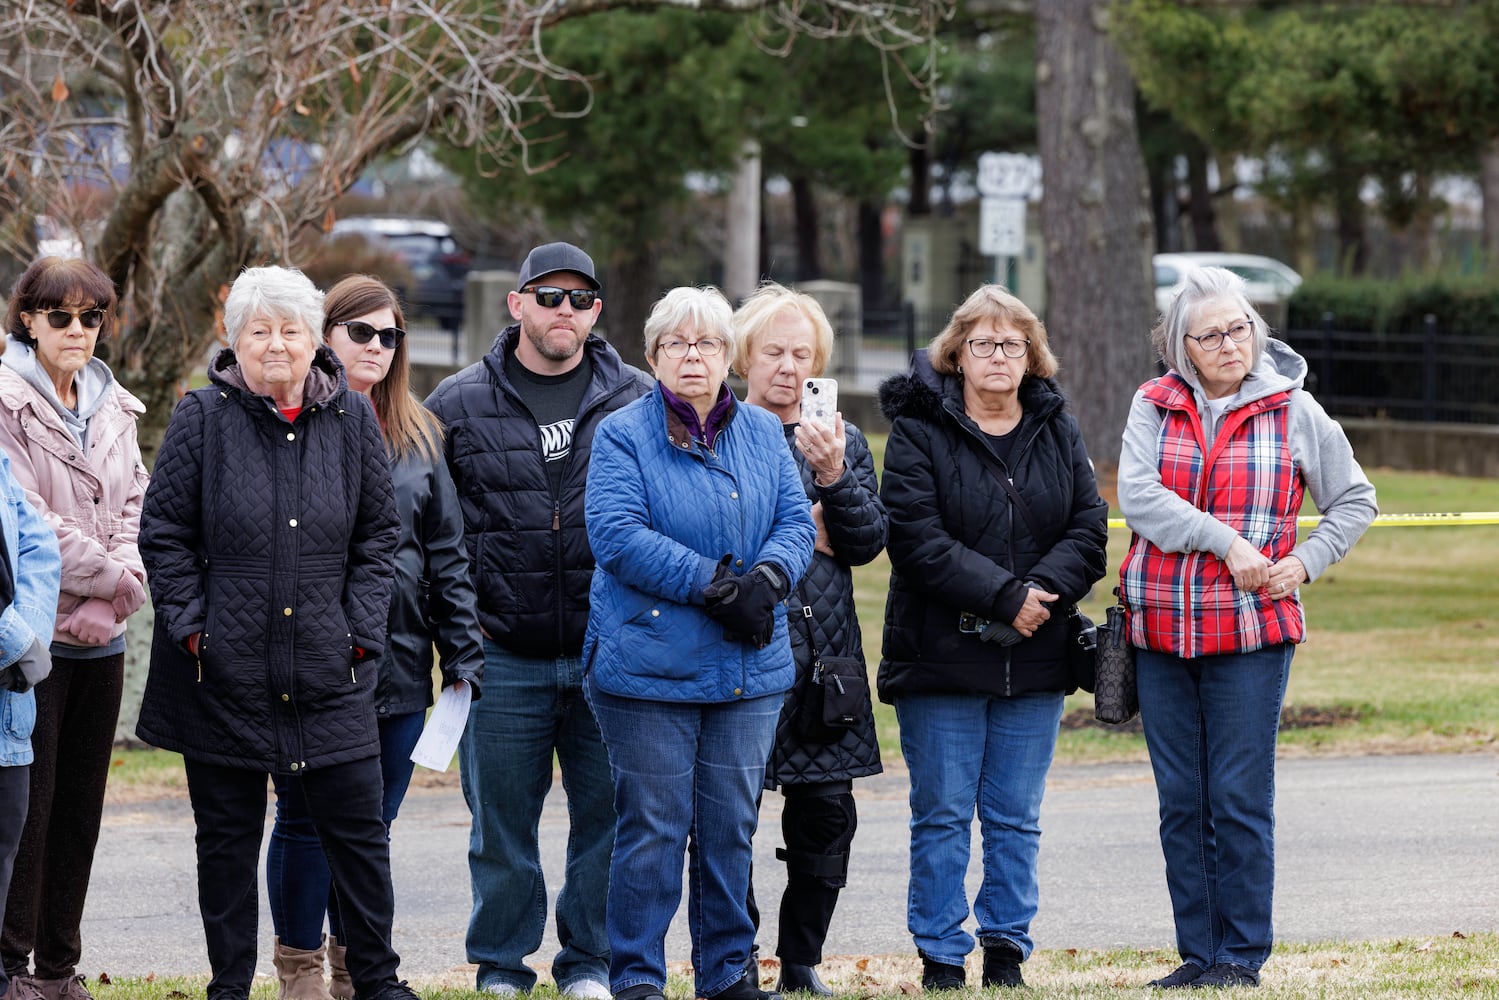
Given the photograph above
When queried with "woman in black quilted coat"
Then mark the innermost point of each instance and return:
(996, 530)
(268, 531)
(784, 337)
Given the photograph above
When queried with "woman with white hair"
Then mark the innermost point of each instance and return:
(1217, 456)
(699, 525)
(268, 533)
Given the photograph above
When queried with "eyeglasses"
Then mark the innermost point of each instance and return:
(61, 319)
(708, 347)
(549, 297)
(1238, 333)
(361, 333)
(983, 347)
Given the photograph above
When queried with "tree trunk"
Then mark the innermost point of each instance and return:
(1095, 218)
(1230, 236)
(742, 247)
(1200, 207)
(634, 285)
(1488, 177)
(920, 164)
(804, 207)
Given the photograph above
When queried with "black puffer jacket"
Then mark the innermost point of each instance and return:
(958, 544)
(856, 524)
(528, 551)
(272, 539)
(433, 600)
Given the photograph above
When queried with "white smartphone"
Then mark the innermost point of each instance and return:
(820, 402)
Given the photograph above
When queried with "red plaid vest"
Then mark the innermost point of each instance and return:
(1186, 602)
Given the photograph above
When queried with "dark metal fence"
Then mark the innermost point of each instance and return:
(1429, 375)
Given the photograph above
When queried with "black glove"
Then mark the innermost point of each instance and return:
(1000, 632)
(745, 605)
(30, 670)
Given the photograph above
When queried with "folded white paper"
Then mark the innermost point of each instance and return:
(444, 728)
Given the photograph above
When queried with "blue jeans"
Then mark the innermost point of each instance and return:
(297, 880)
(683, 769)
(531, 709)
(968, 752)
(1210, 725)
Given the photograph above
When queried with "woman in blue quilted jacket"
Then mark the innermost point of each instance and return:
(785, 338)
(268, 532)
(699, 523)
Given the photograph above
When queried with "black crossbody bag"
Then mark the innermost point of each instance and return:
(837, 689)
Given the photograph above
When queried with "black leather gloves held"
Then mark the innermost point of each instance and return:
(745, 605)
(30, 670)
(1000, 632)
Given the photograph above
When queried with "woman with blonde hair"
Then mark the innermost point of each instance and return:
(433, 603)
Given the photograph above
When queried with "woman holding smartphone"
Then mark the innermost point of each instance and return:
(785, 341)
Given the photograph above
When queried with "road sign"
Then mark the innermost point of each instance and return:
(1009, 175)
(1002, 227)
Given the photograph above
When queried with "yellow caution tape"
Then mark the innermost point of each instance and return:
(1438, 519)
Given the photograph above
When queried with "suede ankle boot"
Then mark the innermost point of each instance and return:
(339, 983)
(1002, 964)
(299, 973)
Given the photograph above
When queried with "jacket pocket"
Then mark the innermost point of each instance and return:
(17, 720)
(661, 639)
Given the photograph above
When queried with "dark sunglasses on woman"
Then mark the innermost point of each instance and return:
(61, 319)
(360, 333)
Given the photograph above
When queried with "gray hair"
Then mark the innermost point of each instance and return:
(273, 292)
(703, 310)
(1203, 286)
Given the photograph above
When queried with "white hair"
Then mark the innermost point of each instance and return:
(273, 293)
(1203, 286)
(702, 310)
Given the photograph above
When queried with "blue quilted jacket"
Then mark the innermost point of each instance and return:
(662, 509)
(274, 540)
(35, 566)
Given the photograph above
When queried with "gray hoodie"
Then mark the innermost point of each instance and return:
(1324, 459)
(93, 383)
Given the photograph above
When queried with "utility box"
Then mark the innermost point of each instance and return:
(841, 301)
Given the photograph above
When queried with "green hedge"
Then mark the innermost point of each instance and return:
(1467, 305)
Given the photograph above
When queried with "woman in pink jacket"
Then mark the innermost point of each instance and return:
(70, 431)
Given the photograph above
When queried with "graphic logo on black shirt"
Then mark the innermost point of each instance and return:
(557, 440)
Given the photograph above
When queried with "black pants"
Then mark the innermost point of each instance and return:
(818, 824)
(344, 802)
(15, 789)
(77, 707)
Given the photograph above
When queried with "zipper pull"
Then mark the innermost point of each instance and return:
(556, 515)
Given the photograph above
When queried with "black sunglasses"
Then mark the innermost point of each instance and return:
(550, 297)
(61, 319)
(360, 333)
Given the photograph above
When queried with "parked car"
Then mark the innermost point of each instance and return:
(438, 265)
(1268, 282)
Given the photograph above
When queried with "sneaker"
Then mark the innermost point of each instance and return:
(937, 975)
(587, 989)
(1224, 975)
(745, 988)
(1185, 975)
(396, 991)
(1002, 964)
(643, 991)
(499, 988)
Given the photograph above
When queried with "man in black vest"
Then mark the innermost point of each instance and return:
(520, 425)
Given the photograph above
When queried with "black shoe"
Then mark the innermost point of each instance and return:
(644, 991)
(1223, 975)
(937, 975)
(1002, 964)
(396, 991)
(745, 988)
(1185, 975)
(801, 979)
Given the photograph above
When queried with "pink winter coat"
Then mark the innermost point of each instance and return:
(92, 501)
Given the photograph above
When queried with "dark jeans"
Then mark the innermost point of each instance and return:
(15, 789)
(297, 880)
(344, 803)
(77, 707)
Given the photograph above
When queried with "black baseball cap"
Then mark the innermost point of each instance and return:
(551, 257)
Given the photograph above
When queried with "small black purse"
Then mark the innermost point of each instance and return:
(1116, 700)
(836, 694)
(1082, 650)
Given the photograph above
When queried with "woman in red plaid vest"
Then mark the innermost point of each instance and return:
(1218, 454)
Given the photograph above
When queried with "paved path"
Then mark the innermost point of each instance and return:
(1369, 847)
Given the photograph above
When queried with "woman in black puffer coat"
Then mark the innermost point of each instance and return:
(975, 625)
(268, 531)
(784, 337)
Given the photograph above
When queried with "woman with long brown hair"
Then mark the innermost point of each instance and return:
(433, 602)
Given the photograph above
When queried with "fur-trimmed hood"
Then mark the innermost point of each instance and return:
(924, 394)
